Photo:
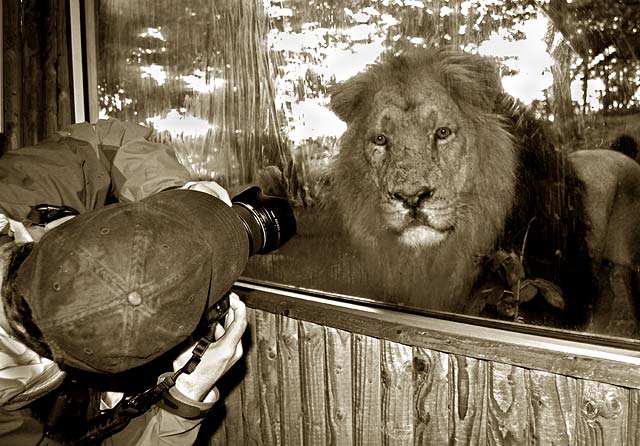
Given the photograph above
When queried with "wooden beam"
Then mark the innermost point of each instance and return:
(77, 61)
(613, 365)
(92, 60)
(64, 90)
(1, 72)
(12, 55)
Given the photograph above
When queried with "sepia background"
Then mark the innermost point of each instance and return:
(239, 89)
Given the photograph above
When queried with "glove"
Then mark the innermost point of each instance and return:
(209, 187)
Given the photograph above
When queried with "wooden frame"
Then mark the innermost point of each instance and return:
(546, 350)
(84, 60)
(77, 61)
(1, 71)
(305, 383)
(91, 59)
(613, 365)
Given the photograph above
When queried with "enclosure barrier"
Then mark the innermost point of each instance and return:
(324, 372)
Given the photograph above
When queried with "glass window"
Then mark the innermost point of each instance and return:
(433, 149)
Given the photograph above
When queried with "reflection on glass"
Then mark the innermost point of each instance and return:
(242, 90)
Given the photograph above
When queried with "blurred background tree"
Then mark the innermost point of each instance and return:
(236, 85)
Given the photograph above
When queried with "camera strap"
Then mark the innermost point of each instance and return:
(114, 420)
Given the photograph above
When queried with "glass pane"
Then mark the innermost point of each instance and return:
(449, 183)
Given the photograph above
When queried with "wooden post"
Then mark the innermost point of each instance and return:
(76, 61)
(13, 73)
(92, 60)
(32, 73)
(1, 77)
(62, 66)
(50, 53)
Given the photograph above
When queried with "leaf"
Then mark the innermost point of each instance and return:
(481, 298)
(510, 265)
(551, 293)
(494, 294)
(527, 291)
(497, 259)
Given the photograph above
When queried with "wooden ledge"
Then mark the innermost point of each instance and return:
(609, 364)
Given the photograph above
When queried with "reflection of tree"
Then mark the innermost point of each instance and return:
(157, 50)
(606, 35)
(255, 60)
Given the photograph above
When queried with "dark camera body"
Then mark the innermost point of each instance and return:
(269, 221)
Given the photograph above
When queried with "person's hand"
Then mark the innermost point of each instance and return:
(218, 358)
(37, 231)
(211, 188)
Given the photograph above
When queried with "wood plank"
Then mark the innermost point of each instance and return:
(1, 79)
(553, 409)
(12, 69)
(634, 418)
(32, 102)
(50, 112)
(251, 418)
(233, 403)
(91, 34)
(367, 413)
(508, 405)
(77, 76)
(602, 416)
(62, 67)
(268, 385)
(290, 381)
(397, 394)
(618, 366)
(219, 435)
(468, 401)
(313, 370)
(339, 387)
(431, 387)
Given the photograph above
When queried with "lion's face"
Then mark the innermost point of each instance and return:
(417, 149)
(415, 160)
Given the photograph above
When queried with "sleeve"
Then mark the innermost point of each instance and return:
(157, 428)
(138, 167)
(59, 171)
(142, 168)
(24, 376)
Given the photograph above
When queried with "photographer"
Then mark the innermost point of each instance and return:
(45, 329)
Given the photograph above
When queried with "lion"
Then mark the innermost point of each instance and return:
(449, 189)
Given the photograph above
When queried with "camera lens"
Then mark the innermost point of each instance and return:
(269, 221)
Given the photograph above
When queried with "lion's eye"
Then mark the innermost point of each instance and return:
(380, 140)
(443, 133)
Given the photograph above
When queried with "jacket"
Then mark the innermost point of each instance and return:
(85, 166)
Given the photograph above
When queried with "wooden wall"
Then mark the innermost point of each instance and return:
(303, 383)
(37, 94)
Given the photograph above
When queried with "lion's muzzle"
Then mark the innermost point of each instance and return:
(412, 198)
(419, 219)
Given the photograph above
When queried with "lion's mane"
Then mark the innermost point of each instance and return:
(523, 193)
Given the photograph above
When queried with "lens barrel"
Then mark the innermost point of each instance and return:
(268, 220)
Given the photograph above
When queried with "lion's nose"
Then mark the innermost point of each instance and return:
(414, 198)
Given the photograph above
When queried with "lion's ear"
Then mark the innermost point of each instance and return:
(473, 78)
(489, 72)
(487, 76)
(347, 97)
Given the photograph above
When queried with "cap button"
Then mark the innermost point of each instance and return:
(134, 298)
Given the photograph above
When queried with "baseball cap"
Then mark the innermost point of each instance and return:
(114, 288)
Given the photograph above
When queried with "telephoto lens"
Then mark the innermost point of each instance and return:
(268, 220)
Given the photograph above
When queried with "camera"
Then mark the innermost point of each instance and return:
(268, 220)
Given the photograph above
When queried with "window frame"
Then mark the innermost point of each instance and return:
(569, 353)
